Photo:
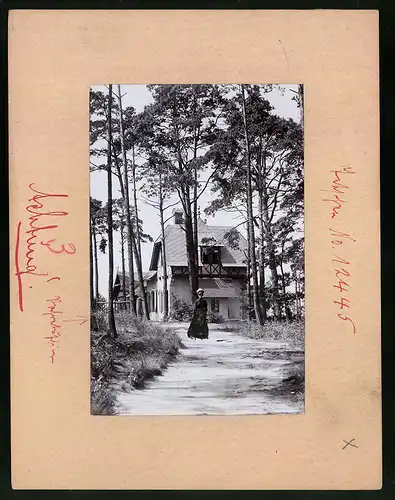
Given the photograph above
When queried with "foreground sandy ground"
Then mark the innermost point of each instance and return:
(225, 375)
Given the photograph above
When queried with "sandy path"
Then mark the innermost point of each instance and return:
(226, 374)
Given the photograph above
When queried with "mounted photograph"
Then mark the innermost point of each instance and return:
(197, 249)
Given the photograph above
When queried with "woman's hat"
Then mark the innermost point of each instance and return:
(199, 290)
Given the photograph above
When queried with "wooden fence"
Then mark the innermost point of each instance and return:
(119, 305)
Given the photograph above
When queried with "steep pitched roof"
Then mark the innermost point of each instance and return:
(119, 282)
(176, 250)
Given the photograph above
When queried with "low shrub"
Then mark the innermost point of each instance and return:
(295, 381)
(181, 310)
(101, 359)
(99, 319)
(214, 317)
(295, 373)
(145, 366)
(141, 351)
(299, 398)
(102, 398)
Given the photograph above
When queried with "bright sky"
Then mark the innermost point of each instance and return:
(139, 96)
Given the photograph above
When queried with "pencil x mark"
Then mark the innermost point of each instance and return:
(349, 443)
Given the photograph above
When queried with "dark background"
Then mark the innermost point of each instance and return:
(387, 90)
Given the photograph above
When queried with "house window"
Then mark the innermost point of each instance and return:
(152, 302)
(161, 302)
(214, 305)
(210, 255)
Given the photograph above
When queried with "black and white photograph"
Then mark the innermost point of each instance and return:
(197, 283)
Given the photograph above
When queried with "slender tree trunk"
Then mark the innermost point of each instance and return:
(195, 194)
(164, 261)
(141, 278)
(249, 294)
(136, 207)
(195, 214)
(271, 255)
(92, 296)
(196, 134)
(96, 260)
(249, 291)
(111, 319)
(283, 287)
(301, 103)
(285, 301)
(192, 268)
(123, 263)
(185, 199)
(132, 296)
(250, 219)
(130, 234)
(137, 239)
(190, 246)
(262, 291)
(297, 301)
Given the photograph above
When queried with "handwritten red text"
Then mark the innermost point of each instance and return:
(41, 221)
(341, 266)
(53, 312)
(338, 188)
(37, 211)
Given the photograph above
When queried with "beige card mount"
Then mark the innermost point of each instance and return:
(54, 58)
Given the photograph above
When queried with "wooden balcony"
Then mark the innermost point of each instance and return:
(213, 271)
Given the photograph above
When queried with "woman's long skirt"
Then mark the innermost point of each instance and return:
(198, 328)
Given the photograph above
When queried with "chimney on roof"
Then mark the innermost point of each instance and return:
(177, 216)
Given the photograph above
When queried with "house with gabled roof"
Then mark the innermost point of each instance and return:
(222, 269)
(121, 292)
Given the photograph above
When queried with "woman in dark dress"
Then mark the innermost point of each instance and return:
(198, 328)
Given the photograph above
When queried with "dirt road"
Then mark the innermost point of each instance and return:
(225, 375)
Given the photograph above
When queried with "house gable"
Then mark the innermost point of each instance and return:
(118, 283)
(176, 250)
(155, 256)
